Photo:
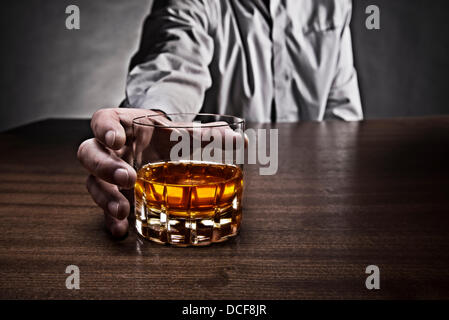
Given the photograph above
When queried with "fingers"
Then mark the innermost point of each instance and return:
(107, 128)
(115, 206)
(104, 164)
(117, 228)
(225, 134)
(112, 126)
(108, 197)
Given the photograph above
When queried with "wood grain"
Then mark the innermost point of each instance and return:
(346, 195)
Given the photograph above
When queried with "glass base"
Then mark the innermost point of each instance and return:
(193, 229)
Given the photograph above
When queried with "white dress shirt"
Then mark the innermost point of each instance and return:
(256, 59)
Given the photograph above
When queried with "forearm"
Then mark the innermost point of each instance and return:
(172, 74)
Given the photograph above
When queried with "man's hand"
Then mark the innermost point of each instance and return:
(105, 157)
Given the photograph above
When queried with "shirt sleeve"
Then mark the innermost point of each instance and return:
(170, 71)
(344, 97)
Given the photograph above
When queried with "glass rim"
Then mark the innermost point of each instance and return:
(236, 120)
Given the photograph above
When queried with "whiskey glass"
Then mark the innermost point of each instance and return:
(189, 186)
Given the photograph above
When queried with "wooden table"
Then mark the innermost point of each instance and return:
(347, 195)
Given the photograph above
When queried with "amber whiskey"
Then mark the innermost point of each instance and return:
(188, 203)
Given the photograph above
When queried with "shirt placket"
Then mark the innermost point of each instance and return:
(280, 74)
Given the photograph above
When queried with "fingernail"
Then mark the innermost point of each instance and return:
(110, 138)
(113, 208)
(121, 177)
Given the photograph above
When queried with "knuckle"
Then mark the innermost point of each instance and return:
(89, 182)
(99, 114)
(81, 150)
(97, 165)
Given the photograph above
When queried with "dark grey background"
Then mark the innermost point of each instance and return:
(403, 67)
(48, 71)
